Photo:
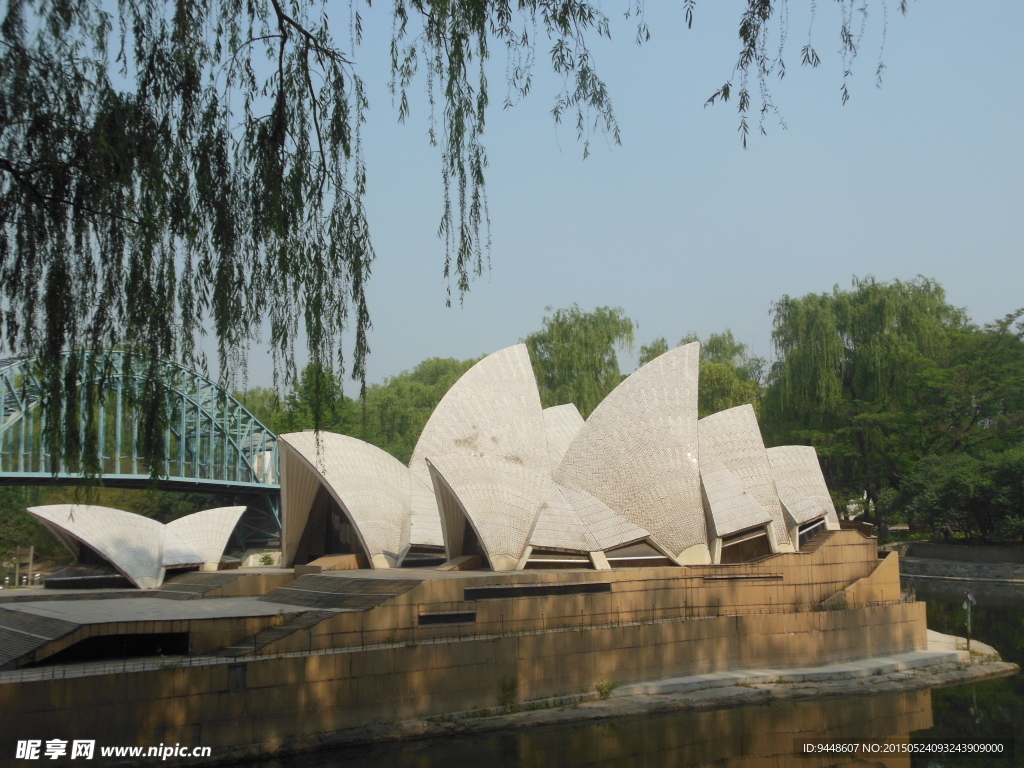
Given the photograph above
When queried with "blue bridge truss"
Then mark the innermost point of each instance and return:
(212, 443)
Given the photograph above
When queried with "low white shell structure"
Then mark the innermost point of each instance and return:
(733, 438)
(638, 454)
(204, 534)
(370, 486)
(801, 484)
(497, 497)
(561, 425)
(574, 521)
(133, 544)
(492, 411)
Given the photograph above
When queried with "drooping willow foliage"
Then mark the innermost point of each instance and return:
(170, 168)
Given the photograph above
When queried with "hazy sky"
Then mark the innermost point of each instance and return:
(680, 226)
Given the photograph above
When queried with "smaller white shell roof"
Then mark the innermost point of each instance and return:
(204, 533)
(132, 543)
(798, 474)
(371, 486)
(574, 521)
(501, 500)
(733, 437)
(733, 508)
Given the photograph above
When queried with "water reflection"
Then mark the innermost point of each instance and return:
(756, 736)
(739, 738)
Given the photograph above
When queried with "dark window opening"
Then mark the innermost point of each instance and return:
(745, 546)
(810, 530)
(638, 555)
(464, 617)
(536, 590)
(424, 557)
(327, 531)
(108, 647)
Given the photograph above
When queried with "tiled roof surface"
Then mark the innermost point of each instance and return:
(205, 533)
(796, 467)
(734, 438)
(637, 452)
(501, 498)
(371, 486)
(492, 411)
(561, 424)
(132, 543)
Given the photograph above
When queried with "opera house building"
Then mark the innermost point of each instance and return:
(525, 556)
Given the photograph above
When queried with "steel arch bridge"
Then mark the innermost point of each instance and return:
(212, 444)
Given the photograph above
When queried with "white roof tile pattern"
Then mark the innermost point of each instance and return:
(732, 507)
(499, 498)
(734, 438)
(426, 524)
(638, 452)
(796, 467)
(492, 411)
(561, 424)
(205, 533)
(132, 543)
(371, 487)
(574, 521)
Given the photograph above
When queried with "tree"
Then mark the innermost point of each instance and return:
(168, 165)
(574, 358)
(885, 374)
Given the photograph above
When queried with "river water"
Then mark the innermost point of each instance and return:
(754, 736)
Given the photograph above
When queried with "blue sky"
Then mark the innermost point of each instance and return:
(680, 226)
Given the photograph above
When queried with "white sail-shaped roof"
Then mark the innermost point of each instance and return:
(561, 425)
(638, 454)
(492, 411)
(730, 507)
(801, 484)
(500, 498)
(370, 486)
(574, 521)
(203, 533)
(733, 438)
(133, 544)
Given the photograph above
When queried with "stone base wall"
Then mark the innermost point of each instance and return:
(262, 706)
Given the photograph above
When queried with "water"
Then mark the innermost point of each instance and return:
(751, 736)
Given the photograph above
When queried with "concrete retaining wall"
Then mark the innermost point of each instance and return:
(262, 706)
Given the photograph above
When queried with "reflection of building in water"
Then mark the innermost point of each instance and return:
(523, 554)
(762, 736)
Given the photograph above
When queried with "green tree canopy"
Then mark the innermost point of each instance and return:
(882, 375)
(167, 167)
(574, 358)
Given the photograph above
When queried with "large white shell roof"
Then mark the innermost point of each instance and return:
(561, 425)
(638, 452)
(370, 485)
(492, 411)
